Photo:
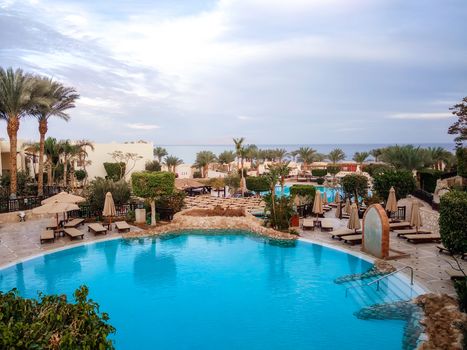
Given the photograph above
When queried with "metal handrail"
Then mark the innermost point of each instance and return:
(381, 278)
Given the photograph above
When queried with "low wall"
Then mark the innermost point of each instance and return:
(13, 216)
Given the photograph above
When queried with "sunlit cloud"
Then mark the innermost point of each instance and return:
(421, 116)
(141, 126)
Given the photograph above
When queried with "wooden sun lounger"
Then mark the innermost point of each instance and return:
(73, 233)
(97, 228)
(411, 231)
(47, 235)
(353, 239)
(74, 223)
(326, 225)
(122, 226)
(399, 225)
(52, 225)
(423, 238)
(339, 234)
(308, 224)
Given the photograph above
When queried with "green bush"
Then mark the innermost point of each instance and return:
(307, 191)
(320, 181)
(428, 179)
(23, 181)
(281, 211)
(152, 185)
(173, 201)
(115, 171)
(319, 172)
(374, 169)
(80, 174)
(233, 181)
(98, 187)
(333, 169)
(402, 180)
(461, 155)
(452, 221)
(257, 184)
(152, 165)
(355, 185)
(197, 174)
(51, 322)
(461, 290)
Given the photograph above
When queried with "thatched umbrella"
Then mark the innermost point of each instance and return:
(109, 208)
(55, 208)
(64, 197)
(317, 204)
(325, 198)
(337, 197)
(347, 206)
(354, 221)
(415, 217)
(391, 204)
(339, 207)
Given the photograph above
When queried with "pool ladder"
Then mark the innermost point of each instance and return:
(377, 281)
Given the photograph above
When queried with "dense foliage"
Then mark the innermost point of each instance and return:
(152, 185)
(173, 201)
(428, 178)
(319, 172)
(333, 169)
(23, 180)
(355, 185)
(257, 184)
(459, 128)
(152, 165)
(374, 169)
(233, 181)
(280, 209)
(115, 171)
(98, 187)
(402, 180)
(80, 174)
(320, 180)
(461, 155)
(452, 221)
(51, 322)
(305, 191)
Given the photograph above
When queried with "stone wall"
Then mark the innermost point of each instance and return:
(430, 219)
(13, 216)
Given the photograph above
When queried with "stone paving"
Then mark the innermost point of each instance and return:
(21, 239)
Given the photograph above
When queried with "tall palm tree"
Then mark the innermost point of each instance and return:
(67, 150)
(336, 155)
(31, 148)
(52, 155)
(172, 162)
(376, 153)
(160, 152)
(203, 159)
(238, 142)
(282, 170)
(406, 157)
(360, 157)
(439, 156)
(19, 94)
(272, 176)
(306, 155)
(61, 99)
(226, 158)
(280, 154)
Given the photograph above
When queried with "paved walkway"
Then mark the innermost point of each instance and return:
(21, 240)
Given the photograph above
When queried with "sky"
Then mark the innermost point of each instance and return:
(272, 71)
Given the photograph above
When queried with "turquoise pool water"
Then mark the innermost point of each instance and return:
(213, 292)
(330, 192)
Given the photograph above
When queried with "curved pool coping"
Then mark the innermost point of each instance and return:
(417, 286)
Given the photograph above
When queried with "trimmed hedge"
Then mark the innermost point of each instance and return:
(319, 172)
(80, 174)
(402, 180)
(114, 171)
(152, 184)
(303, 190)
(452, 221)
(320, 181)
(51, 322)
(428, 179)
(333, 169)
(257, 184)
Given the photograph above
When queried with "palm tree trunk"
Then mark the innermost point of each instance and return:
(65, 171)
(12, 129)
(40, 177)
(153, 212)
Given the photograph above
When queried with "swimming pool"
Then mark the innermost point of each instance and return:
(329, 192)
(204, 291)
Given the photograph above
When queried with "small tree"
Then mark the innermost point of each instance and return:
(128, 159)
(459, 128)
(355, 185)
(152, 165)
(151, 186)
(402, 180)
(114, 171)
(306, 191)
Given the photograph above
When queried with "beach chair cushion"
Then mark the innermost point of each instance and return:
(343, 231)
(326, 224)
(74, 223)
(47, 235)
(122, 226)
(73, 233)
(308, 223)
(353, 239)
(97, 228)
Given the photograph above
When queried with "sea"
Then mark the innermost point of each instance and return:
(188, 152)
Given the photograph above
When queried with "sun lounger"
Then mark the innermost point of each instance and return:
(73, 233)
(308, 224)
(52, 225)
(326, 225)
(353, 239)
(74, 223)
(47, 235)
(399, 225)
(411, 231)
(423, 238)
(340, 233)
(97, 228)
(122, 226)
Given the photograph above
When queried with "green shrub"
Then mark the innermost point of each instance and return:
(257, 184)
(281, 211)
(24, 183)
(152, 165)
(452, 221)
(172, 201)
(319, 172)
(428, 179)
(306, 191)
(461, 155)
(402, 180)
(374, 169)
(80, 174)
(333, 169)
(98, 187)
(197, 174)
(51, 322)
(320, 181)
(115, 171)
(461, 290)
(233, 181)
(355, 185)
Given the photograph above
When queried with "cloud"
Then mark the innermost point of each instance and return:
(421, 116)
(141, 126)
(244, 117)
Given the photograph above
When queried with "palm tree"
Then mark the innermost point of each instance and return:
(226, 158)
(282, 170)
(19, 94)
(238, 147)
(203, 159)
(32, 148)
(280, 154)
(360, 157)
(160, 152)
(272, 176)
(66, 150)
(439, 156)
(405, 157)
(61, 99)
(306, 155)
(336, 155)
(52, 155)
(172, 162)
(376, 153)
